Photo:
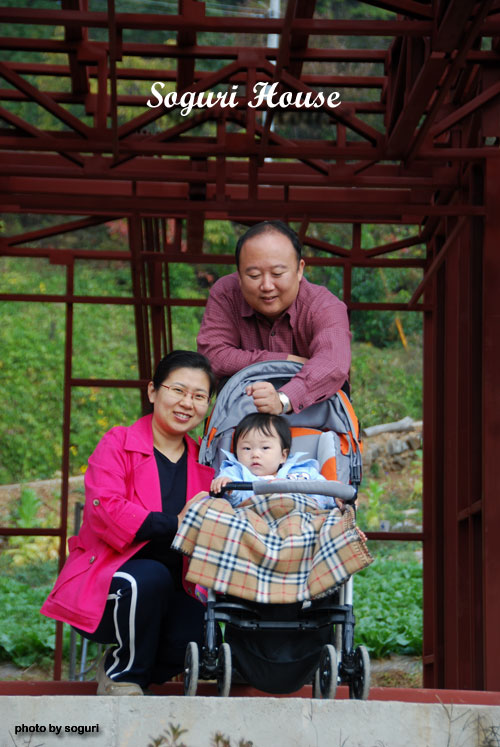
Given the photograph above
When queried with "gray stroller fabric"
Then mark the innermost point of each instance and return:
(330, 416)
(277, 647)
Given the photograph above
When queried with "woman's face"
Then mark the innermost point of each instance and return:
(181, 402)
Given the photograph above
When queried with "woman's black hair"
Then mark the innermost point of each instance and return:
(264, 422)
(269, 226)
(183, 359)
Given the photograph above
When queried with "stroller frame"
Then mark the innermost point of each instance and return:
(338, 660)
(340, 663)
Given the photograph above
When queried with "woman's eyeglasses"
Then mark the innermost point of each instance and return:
(179, 392)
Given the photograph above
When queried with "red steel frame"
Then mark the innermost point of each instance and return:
(434, 163)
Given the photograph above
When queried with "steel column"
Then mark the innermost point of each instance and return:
(491, 429)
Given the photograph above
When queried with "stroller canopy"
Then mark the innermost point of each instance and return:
(334, 415)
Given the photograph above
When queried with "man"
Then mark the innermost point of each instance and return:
(267, 310)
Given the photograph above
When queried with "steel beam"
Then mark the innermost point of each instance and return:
(218, 24)
(164, 74)
(466, 110)
(43, 100)
(490, 408)
(403, 7)
(435, 78)
(237, 202)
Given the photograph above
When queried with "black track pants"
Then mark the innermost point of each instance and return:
(150, 622)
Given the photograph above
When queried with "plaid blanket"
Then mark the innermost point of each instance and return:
(277, 549)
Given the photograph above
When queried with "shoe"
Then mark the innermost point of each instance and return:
(107, 686)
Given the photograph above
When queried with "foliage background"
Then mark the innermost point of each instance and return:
(386, 376)
(386, 383)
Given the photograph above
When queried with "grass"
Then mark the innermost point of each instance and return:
(393, 497)
(386, 383)
(26, 636)
(388, 601)
(388, 594)
(388, 607)
(33, 337)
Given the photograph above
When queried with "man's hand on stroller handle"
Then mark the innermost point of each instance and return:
(265, 397)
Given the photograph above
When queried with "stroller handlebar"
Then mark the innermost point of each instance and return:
(332, 488)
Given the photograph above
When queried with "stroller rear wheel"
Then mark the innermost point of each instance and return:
(325, 679)
(191, 669)
(359, 685)
(224, 670)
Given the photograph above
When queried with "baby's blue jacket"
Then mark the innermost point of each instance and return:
(292, 469)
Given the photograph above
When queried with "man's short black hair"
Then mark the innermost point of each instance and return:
(264, 422)
(269, 226)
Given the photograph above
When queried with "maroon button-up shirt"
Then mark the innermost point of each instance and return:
(233, 335)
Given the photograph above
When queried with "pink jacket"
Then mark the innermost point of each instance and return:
(121, 487)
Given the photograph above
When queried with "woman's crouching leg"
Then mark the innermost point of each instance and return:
(136, 613)
(184, 623)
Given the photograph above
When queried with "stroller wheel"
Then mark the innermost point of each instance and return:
(224, 670)
(191, 669)
(325, 679)
(359, 686)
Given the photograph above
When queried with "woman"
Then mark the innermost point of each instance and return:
(122, 584)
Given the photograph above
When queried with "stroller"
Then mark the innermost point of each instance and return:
(278, 648)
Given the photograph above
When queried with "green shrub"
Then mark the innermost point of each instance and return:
(386, 384)
(387, 605)
(388, 601)
(26, 636)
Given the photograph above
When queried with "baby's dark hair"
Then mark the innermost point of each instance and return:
(264, 422)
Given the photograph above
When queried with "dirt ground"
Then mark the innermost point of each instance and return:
(395, 671)
(48, 491)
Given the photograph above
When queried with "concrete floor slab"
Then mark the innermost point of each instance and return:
(91, 721)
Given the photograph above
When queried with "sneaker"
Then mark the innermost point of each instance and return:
(107, 686)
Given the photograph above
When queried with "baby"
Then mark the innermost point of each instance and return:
(262, 443)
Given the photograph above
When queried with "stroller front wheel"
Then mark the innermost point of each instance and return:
(325, 679)
(224, 671)
(359, 685)
(191, 669)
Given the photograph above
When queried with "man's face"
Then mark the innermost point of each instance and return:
(269, 273)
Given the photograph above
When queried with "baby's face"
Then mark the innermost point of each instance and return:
(262, 454)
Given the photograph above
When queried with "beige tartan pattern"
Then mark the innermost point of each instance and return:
(277, 549)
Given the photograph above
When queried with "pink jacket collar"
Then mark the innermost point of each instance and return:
(140, 438)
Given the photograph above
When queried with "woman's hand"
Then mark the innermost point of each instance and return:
(218, 484)
(196, 499)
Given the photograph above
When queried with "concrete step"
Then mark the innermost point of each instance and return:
(94, 721)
